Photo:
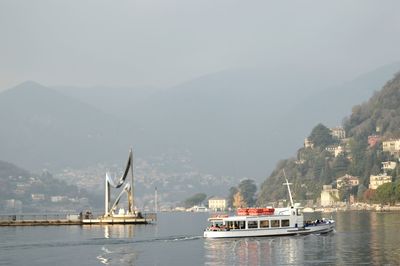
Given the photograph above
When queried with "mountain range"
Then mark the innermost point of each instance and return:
(42, 128)
(236, 122)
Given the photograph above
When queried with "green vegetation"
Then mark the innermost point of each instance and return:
(388, 193)
(232, 192)
(243, 195)
(317, 166)
(196, 199)
(321, 136)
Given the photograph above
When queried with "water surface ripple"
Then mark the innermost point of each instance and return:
(360, 238)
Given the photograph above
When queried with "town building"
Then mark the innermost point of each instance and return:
(58, 198)
(373, 140)
(392, 146)
(388, 166)
(13, 204)
(338, 132)
(347, 181)
(335, 150)
(299, 162)
(376, 180)
(217, 204)
(197, 208)
(308, 143)
(37, 197)
(329, 196)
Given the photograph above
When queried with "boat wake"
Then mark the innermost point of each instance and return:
(99, 242)
(178, 238)
(125, 255)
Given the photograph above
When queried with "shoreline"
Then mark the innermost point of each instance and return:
(358, 207)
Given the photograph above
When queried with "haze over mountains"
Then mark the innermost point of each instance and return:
(238, 122)
(44, 128)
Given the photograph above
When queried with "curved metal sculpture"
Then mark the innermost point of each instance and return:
(128, 189)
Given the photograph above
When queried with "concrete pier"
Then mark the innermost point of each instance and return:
(51, 220)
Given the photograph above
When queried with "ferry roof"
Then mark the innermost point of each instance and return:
(248, 218)
(254, 218)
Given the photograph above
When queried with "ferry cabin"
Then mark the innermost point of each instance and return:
(283, 218)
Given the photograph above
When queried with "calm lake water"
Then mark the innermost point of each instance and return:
(369, 238)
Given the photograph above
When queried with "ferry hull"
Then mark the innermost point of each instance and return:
(317, 229)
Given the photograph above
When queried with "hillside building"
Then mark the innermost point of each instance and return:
(338, 132)
(388, 166)
(58, 198)
(335, 150)
(347, 181)
(392, 146)
(329, 196)
(376, 180)
(217, 204)
(37, 197)
(308, 143)
(299, 162)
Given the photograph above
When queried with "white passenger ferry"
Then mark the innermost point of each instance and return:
(255, 222)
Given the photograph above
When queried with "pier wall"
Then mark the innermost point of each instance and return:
(67, 219)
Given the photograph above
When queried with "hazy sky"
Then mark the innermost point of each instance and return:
(164, 42)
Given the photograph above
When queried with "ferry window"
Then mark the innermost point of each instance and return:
(274, 223)
(236, 225)
(284, 223)
(298, 212)
(240, 225)
(252, 224)
(217, 223)
(264, 224)
(229, 224)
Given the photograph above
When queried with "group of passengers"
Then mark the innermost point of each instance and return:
(316, 222)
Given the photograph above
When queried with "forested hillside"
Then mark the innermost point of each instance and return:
(327, 157)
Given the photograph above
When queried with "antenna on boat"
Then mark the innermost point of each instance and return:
(288, 187)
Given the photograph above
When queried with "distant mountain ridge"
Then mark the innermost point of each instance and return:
(232, 123)
(8, 169)
(44, 128)
(240, 123)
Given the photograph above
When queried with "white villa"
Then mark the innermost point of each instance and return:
(392, 146)
(376, 180)
(347, 181)
(388, 165)
(217, 204)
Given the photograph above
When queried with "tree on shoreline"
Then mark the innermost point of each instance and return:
(243, 195)
(196, 199)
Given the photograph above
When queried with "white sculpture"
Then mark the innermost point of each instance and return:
(128, 189)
